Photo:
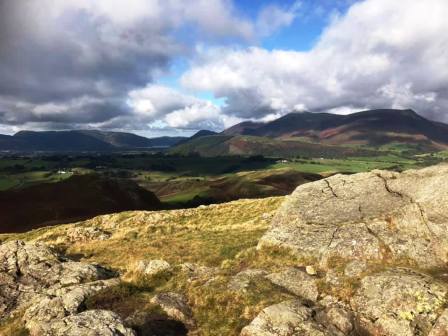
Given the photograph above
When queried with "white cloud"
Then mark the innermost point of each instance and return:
(176, 109)
(382, 53)
(204, 113)
(272, 17)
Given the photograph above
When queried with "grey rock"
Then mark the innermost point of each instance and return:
(297, 282)
(369, 217)
(27, 270)
(175, 306)
(242, 280)
(92, 322)
(52, 291)
(337, 319)
(399, 302)
(152, 267)
(288, 318)
(62, 302)
(84, 234)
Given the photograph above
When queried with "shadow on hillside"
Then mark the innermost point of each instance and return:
(161, 326)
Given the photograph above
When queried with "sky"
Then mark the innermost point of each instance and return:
(172, 67)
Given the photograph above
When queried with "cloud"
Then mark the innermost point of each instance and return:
(74, 61)
(272, 18)
(381, 53)
(176, 109)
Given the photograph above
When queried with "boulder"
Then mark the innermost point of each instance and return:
(59, 303)
(242, 280)
(152, 267)
(399, 302)
(288, 318)
(84, 234)
(92, 322)
(52, 290)
(375, 216)
(28, 269)
(175, 306)
(297, 282)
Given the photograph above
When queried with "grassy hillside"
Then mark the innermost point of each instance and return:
(229, 187)
(222, 236)
(246, 145)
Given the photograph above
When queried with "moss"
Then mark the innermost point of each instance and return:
(14, 326)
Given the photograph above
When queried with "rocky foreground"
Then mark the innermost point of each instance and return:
(364, 254)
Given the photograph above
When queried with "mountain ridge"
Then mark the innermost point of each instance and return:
(81, 140)
(322, 135)
(357, 127)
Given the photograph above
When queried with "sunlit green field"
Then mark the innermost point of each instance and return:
(178, 179)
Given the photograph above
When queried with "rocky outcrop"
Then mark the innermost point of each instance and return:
(292, 317)
(399, 302)
(52, 290)
(84, 234)
(374, 239)
(368, 216)
(297, 282)
(92, 322)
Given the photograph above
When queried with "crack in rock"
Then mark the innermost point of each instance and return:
(389, 190)
(331, 188)
(411, 201)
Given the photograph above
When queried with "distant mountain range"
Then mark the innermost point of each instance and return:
(81, 140)
(367, 127)
(291, 135)
(321, 134)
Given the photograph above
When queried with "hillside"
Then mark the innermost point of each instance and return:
(245, 145)
(361, 254)
(81, 140)
(374, 127)
(78, 197)
(323, 135)
(229, 187)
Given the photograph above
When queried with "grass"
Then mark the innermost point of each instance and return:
(14, 326)
(223, 236)
(23, 180)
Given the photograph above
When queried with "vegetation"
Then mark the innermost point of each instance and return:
(184, 181)
(222, 236)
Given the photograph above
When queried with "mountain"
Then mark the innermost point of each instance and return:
(199, 134)
(202, 133)
(78, 197)
(371, 127)
(247, 145)
(321, 135)
(81, 140)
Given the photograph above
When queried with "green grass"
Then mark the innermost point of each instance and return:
(184, 196)
(23, 180)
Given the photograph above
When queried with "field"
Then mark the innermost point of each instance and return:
(185, 181)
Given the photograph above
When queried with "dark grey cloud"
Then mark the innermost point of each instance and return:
(75, 61)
